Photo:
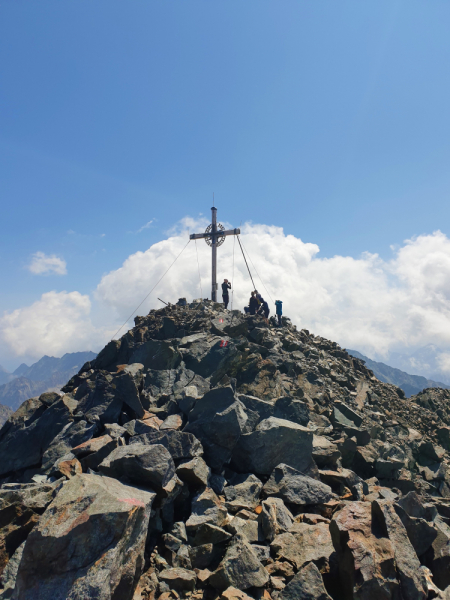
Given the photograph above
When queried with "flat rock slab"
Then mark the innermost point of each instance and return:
(57, 561)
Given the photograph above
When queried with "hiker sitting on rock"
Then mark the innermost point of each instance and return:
(225, 287)
(264, 309)
(253, 304)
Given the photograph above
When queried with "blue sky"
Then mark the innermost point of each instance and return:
(328, 119)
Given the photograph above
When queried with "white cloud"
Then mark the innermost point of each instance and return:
(57, 323)
(374, 305)
(43, 264)
(146, 226)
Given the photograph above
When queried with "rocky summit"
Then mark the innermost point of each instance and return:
(212, 455)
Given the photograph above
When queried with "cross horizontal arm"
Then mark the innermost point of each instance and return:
(219, 233)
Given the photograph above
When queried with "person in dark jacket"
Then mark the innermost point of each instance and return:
(253, 304)
(225, 287)
(265, 308)
(279, 311)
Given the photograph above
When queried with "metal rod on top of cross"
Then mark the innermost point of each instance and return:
(214, 236)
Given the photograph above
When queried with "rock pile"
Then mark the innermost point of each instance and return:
(211, 455)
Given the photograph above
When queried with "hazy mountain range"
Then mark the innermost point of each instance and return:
(48, 373)
(410, 384)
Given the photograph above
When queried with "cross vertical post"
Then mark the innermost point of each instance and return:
(214, 236)
(214, 254)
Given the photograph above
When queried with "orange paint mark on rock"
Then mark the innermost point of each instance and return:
(132, 501)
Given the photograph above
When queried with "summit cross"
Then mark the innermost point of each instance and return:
(214, 236)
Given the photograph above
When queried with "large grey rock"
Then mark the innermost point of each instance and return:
(206, 508)
(147, 465)
(207, 533)
(305, 543)
(293, 487)
(21, 506)
(217, 420)
(194, 472)
(239, 568)
(291, 409)
(72, 435)
(156, 355)
(127, 387)
(408, 565)
(250, 529)
(180, 580)
(275, 518)
(180, 444)
(102, 404)
(325, 453)
(421, 532)
(211, 358)
(30, 430)
(243, 493)
(273, 442)
(57, 562)
(307, 584)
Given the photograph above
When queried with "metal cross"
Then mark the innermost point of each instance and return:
(214, 236)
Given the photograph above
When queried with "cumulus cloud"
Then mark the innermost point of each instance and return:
(57, 323)
(374, 305)
(43, 264)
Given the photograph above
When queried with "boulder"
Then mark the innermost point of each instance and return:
(127, 387)
(293, 487)
(207, 533)
(57, 562)
(344, 416)
(30, 431)
(206, 508)
(102, 404)
(291, 409)
(408, 565)
(146, 465)
(73, 434)
(172, 422)
(250, 529)
(91, 446)
(243, 493)
(305, 543)
(366, 557)
(437, 557)
(275, 518)
(325, 453)
(157, 355)
(202, 556)
(180, 444)
(239, 568)
(273, 442)
(180, 580)
(94, 459)
(20, 508)
(217, 420)
(421, 532)
(194, 472)
(307, 584)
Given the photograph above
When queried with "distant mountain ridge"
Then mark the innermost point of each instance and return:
(48, 373)
(410, 384)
